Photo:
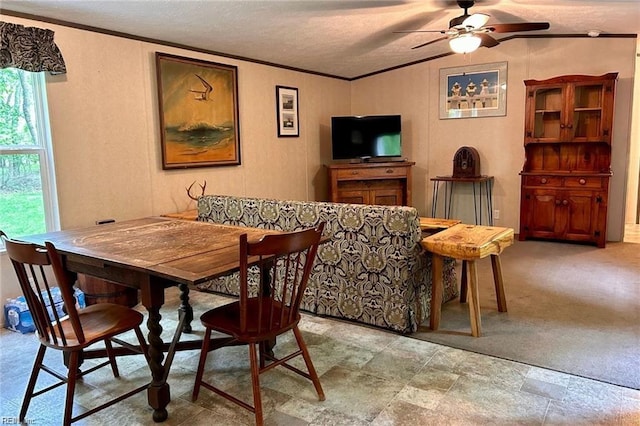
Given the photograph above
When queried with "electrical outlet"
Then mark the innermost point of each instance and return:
(496, 215)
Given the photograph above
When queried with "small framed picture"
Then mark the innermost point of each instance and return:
(287, 111)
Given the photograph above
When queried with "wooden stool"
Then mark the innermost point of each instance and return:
(467, 243)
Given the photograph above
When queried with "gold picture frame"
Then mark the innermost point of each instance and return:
(198, 103)
(473, 91)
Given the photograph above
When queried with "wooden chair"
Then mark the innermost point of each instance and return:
(72, 333)
(285, 262)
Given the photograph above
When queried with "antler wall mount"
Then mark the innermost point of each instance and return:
(203, 186)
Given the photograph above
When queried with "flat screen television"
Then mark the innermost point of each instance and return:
(366, 136)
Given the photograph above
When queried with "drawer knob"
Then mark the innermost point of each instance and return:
(543, 180)
(565, 202)
(389, 171)
(354, 172)
(582, 181)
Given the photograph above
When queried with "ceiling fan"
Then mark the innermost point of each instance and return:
(468, 32)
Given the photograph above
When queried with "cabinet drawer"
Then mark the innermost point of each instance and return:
(372, 173)
(353, 197)
(549, 181)
(583, 182)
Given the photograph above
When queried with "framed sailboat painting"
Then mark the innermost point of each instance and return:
(198, 103)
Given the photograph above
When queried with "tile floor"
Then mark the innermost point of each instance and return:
(370, 377)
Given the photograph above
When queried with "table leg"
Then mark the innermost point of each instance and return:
(489, 191)
(185, 307)
(434, 201)
(497, 279)
(475, 204)
(437, 290)
(158, 394)
(474, 300)
(66, 359)
(448, 187)
(265, 285)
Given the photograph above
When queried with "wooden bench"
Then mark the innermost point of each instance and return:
(431, 225)
(185, 215)
(468, 243)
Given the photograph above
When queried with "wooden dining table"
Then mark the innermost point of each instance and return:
(152, 254)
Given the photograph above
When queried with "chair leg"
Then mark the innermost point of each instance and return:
(255, 382)
(203, 358)
(307, 360)
(112, 359)
(32, 381)
(71, 386)
(143, 343)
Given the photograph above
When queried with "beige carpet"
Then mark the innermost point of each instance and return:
(571, 308)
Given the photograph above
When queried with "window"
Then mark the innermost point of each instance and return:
(28, 203)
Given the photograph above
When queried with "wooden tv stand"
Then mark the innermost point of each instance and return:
(387, 183)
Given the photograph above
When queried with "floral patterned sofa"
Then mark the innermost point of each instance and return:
(373, 270)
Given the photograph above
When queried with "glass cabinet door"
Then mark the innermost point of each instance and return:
(548, 113)
(587, 113)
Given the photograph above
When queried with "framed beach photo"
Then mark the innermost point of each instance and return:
(287, 111)
(198, 103)
(473, 91)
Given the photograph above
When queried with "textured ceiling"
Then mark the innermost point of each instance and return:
(339, 38)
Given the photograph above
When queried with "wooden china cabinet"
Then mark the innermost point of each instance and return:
(567, 141)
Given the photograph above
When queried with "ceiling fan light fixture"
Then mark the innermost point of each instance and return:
(476, 20)
(465, 43)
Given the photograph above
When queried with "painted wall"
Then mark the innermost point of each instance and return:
(432, 143)
(105, 128)
(105, 131)
(104, 123)
(633, 190)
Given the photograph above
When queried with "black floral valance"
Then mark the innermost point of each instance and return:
(29, 49)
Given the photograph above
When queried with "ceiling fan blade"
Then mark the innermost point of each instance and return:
(419, 31)
(429, 42)
(360, 5)
(477, 20)
(523, 26)
(487, 40)
(416, 22)
(384, 36)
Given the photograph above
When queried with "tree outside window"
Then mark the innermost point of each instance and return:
(27, 195)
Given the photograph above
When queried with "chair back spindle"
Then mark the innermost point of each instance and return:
(29, 263)
(284, 263)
